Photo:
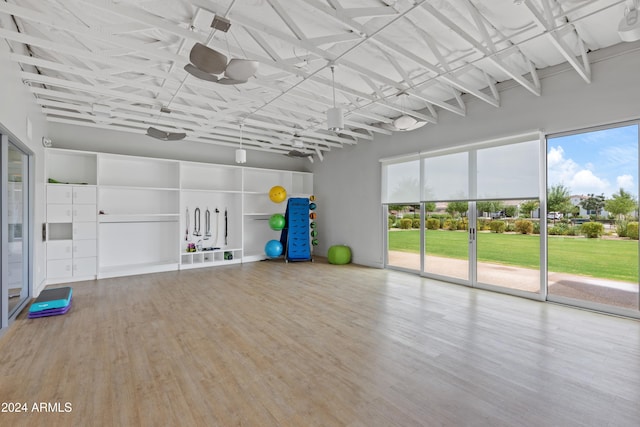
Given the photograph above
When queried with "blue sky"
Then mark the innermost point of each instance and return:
(595, 162)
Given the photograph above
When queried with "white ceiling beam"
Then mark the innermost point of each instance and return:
(489, 53)
(334, 39)
(173, 29)
(583, 69)
(83, 31)
(166, 122)
(187, 108)
(194, 97)
(447, 79)
(143, 131)
(290, 23)
(144, 115)
(363, 12)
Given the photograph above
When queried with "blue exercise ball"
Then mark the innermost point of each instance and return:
(273, 248)
(312, 206)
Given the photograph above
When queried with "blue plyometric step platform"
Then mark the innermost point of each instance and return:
(295, 234)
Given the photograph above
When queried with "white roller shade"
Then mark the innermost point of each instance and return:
(446, 177)
(508, 171)
(401, 182)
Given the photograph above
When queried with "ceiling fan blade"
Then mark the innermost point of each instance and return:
(194, 71)
(176, 136)
(165, 136)
(226, 81)
(156, 133)
(296, 153)
(241, 69)
(208, 60)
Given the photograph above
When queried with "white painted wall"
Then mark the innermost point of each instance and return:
(16, 105)
(107, 141)
(347, 183)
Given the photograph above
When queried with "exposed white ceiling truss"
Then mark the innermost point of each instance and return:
(114, 64)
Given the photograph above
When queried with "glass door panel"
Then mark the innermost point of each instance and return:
(592, 218)
(17, 254)
(508, 244)
(403, 236)
(446, 239)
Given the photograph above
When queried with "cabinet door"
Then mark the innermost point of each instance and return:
(59, 213)
(59, 194)
(84, 195)
(84, 248)
(84, 231)
(85, 266)
(59, 268)
(84, 213)
(59, 249)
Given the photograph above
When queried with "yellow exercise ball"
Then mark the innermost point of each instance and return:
(278, 194)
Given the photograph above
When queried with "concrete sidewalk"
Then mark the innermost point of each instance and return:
(603, 291)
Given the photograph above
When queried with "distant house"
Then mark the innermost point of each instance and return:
(577, 199)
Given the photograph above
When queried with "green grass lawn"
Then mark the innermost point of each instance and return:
(609, 259)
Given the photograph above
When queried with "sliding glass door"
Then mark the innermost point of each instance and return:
(15, 229)
(592, 219)
(482, 220)
(508, 244)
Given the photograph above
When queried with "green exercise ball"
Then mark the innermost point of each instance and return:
(314, 242)
(314, 233)
(276, 222)
(313, 224)
(339, 254)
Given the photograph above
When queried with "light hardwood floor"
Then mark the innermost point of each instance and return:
(312, 344)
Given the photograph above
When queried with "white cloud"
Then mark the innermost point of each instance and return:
(585, 182)
(626, 182)
(560, 170)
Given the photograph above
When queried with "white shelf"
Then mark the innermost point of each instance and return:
(170, 217)
(145, 201)
(141, 188)
(197, 190)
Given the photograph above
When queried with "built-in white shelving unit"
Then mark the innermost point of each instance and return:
(144, 213)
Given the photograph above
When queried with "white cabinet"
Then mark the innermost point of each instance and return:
(59, 249)
(84, 213)
(59, 194)
(71, 232)
(59, 213)
(84, 231)
(59, 269)
(84, 195)
(113, 215)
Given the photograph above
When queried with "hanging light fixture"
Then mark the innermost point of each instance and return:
(335, 118)
(629, 26)
(404, 122)
(241, 153)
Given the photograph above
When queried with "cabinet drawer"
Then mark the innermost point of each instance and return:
(84, 231)
(59, 213)
(84, 248)
(85, 266)
(84, 195)
(59, 194)
(84, 213)
(59, 268)
(59, 249)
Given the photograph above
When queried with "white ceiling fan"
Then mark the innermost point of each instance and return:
(210, 65)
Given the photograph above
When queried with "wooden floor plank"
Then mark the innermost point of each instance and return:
(312, 344)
